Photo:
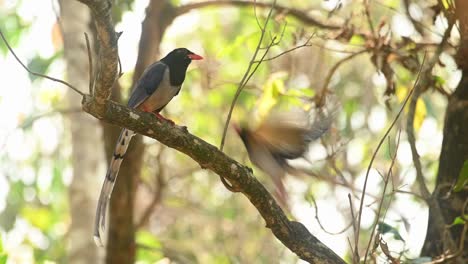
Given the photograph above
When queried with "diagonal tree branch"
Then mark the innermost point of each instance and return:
(296, 13)
(292, 234)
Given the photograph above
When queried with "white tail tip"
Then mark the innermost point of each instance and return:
(98, 241)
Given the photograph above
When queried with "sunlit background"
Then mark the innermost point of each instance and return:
(35, 142)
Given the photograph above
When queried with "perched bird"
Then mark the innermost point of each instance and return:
(281, 137)
(159, 83)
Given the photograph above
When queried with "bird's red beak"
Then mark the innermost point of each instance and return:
(195, 56)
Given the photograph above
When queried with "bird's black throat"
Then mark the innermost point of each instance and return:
(177, 69)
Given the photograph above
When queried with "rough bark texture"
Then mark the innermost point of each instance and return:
(454, 152)
(88, 166)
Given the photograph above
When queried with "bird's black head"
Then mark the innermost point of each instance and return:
(178, 61)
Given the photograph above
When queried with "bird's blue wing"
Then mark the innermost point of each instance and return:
(147, 84)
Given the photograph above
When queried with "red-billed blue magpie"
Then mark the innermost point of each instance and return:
(159, 83)
(278, 138)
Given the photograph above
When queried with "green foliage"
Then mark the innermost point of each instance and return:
(459, 220)
(13, 27)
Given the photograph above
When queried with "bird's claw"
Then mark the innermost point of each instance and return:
(162, 118)
(229, 186)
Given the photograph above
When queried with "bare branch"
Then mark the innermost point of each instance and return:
(375, 154)
(248, 73)
(292, 234)
(36, 73)
(369, 18)
(320, 99)
(90, 65)
(386, 180)
(355, 228)
(305, 44)
(296, 13)
(314, 203)
(419, 89)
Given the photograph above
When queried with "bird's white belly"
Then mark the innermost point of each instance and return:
(162, 96)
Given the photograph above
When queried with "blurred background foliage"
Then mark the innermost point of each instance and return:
(197, 219)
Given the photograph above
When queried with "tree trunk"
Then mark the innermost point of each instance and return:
(88, 166)
(454, 152)
(121, 242)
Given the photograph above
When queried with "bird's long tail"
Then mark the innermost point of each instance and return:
(109, 182)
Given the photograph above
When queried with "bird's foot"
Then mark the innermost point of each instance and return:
(162, 118)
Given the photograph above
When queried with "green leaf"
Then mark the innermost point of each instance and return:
(459, 220)
(357, 40)
(462, 180)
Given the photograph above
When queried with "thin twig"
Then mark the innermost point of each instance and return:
(90, 65)
(415, 22)
(36, 73)
(323, 92)
(305, 44)
(386, 180)
(247, 75)
(412, 142)
(369, 18)
(300, 15)
(412, 112)
(409, 193)
(256, 16)
(378, 148)
(28, 122)
(355, 228)
(314, 203)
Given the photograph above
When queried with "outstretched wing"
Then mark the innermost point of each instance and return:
(288, 138)
(147, 84)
